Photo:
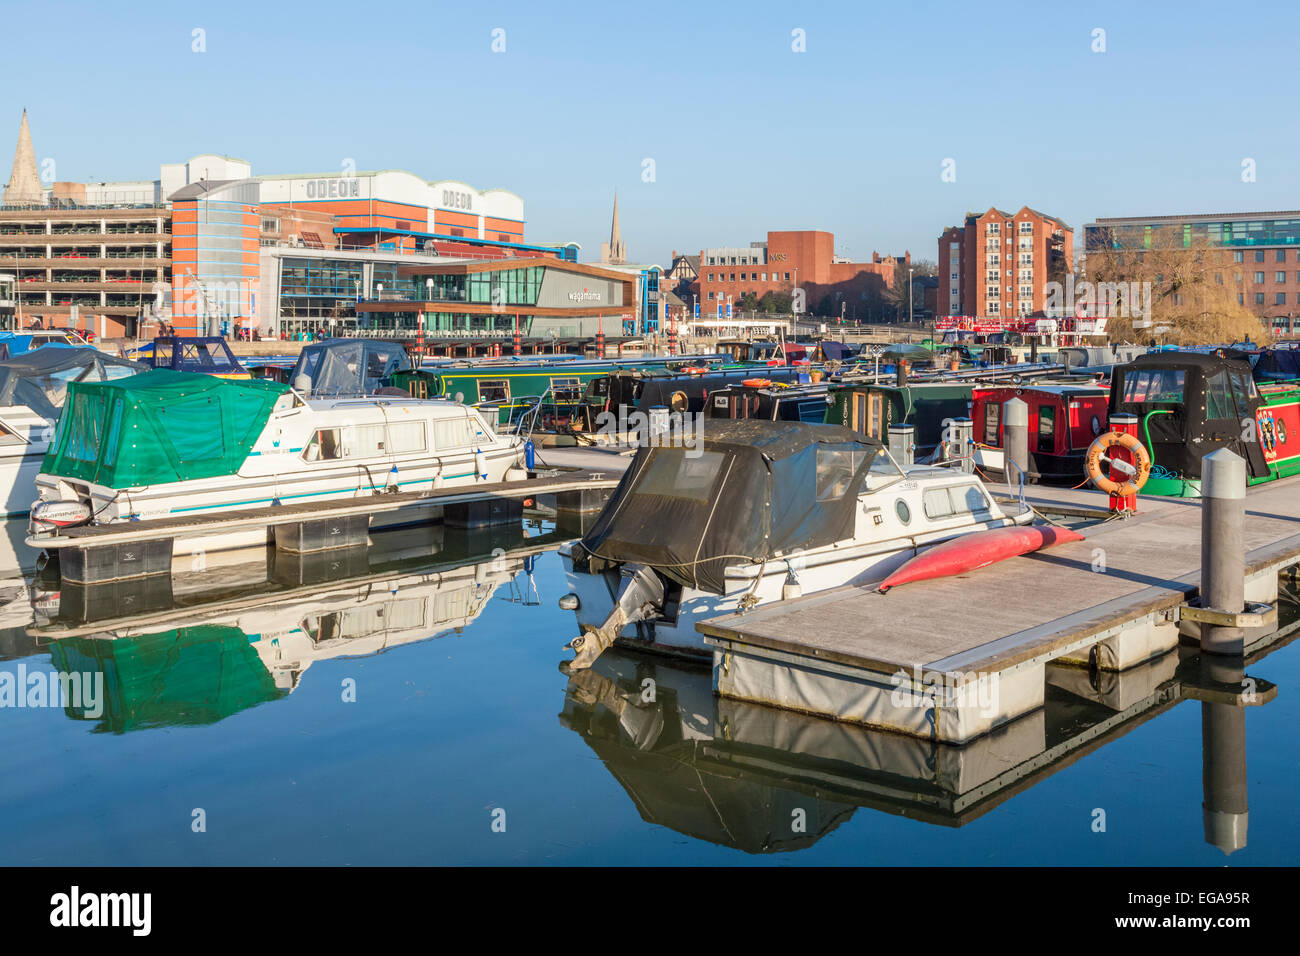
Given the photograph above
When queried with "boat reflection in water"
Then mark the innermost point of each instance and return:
(169, 658)
(765, 780)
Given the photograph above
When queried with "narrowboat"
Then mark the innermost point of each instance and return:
(627, 391)
(764, 399)
(755, 512)
(33, 386)
(552, 391)
(1064, 418)
(1189, 404)
(207, 354)
(169, 444)
(871, 408)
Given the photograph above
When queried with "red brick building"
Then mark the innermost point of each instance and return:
(803, 259)
(1000, 263)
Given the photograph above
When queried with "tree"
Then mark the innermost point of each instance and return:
(748, 303)
(896, 296)
(775, 303)
(1157, 285)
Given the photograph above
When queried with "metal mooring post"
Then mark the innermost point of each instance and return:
(1225, 809)
(1223, 548)
(1015, 441)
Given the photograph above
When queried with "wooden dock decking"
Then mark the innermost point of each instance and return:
(1113, 596)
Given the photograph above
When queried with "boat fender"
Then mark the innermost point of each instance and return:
(1136, 477)
(530, 454)
(480, 463)
(394, 485)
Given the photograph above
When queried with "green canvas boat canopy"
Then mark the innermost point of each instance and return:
(158, 427)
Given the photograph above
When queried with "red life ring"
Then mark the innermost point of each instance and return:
(756, 382)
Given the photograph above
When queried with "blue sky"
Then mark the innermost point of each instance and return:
(746, 135)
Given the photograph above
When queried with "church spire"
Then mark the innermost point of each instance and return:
(24, 181)
(613, 253)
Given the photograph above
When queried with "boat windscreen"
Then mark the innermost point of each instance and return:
(349, 367)
(1164, 385)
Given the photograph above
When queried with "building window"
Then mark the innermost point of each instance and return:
(1241, 298)
(1218, 278)
(733, 277)
(1280, 276)
(1259, 278)
(994, 228)
(1279, 298)
(1026, 228)
(764, 276)
(711, 297)
(787, 277)
(1238, 256)
(1259, 255)
(1259, 298)
(1280, 256)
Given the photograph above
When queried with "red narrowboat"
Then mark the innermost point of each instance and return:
(1064, 418)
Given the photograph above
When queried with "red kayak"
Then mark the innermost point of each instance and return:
(977, 550)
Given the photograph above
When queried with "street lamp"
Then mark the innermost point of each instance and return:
(909, 295)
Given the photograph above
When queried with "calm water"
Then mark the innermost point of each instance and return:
(461, 711)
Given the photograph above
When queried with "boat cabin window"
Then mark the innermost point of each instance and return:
(672, 474)
(566, 389)
(835, 471)
(1046, 428)
(954, 500)
(493, 390)
(451, 433)
(1154, 385)
(365, 441)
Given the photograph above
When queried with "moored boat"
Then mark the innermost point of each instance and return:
(758, 512)
(32, 390)
(168, 444)
(1189, 404)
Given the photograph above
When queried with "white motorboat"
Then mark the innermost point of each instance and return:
(167, 444)
(760, 512)
(32, 388)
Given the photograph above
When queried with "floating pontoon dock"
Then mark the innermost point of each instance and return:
(96, 553)
(955, 658)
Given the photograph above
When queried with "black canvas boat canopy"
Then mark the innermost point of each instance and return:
(749, 491)
(1189, 404)
(39, 379)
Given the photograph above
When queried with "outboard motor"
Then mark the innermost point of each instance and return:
(640, 597)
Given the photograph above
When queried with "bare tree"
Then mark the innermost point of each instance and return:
(1159, 286)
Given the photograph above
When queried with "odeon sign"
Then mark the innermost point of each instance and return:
(333, 188)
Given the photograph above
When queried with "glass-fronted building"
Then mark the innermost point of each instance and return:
(1265, 252)
(537, 297)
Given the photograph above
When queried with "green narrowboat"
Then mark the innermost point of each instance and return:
(871, 409)
(517, 388)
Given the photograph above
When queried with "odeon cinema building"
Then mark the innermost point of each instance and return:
(209, 247)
